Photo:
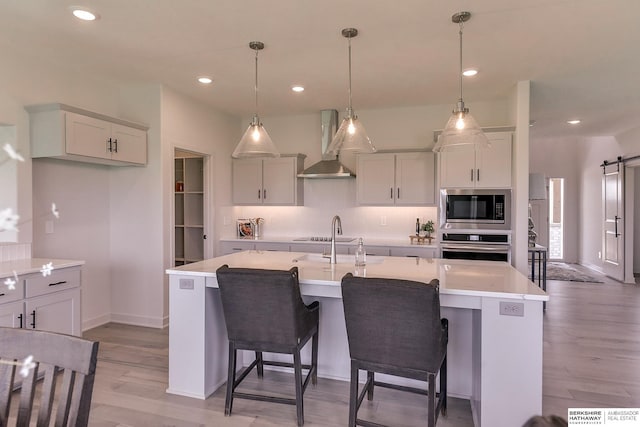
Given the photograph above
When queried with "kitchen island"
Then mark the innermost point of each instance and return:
(495, 326)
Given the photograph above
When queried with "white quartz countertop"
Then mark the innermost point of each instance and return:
(457, 277)
(392, 242)
(34, 265)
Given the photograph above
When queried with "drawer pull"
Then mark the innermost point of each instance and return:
(1, 295)
(20, 318)
(58, 283)
(33, 316)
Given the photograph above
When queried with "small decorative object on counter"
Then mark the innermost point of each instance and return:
(245, 229)
(417, 226)
(427, 227)
(361, 254)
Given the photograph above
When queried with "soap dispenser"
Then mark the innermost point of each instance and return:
(361, 254)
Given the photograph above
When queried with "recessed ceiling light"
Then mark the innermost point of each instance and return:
(84, 13)
(470, 72)
(205, 80)
(297, 88)
(573, 122)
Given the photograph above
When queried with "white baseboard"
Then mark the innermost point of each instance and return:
(95, 322)
(135, 320)
(592, 267)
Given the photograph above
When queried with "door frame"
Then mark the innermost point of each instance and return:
(631, 168)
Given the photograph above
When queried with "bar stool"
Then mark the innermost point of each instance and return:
(264, 311)
(394, 327)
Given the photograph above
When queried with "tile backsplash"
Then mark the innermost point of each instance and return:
(13, 251)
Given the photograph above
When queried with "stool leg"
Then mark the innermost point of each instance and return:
(231, 379)
(443, 385)
(353, 395)
(314, 358)
(370, 379)
(259, 364)
(297, 366)
(431, 406)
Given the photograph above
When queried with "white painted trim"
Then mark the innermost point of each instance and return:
(592, 267)
(95, 322)
(135, 320)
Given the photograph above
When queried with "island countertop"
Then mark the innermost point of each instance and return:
(457, 277)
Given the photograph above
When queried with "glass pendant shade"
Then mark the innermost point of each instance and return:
(462, 132)
(351, 136)
(255, 142)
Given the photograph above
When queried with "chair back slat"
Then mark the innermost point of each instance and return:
(51, 352)
(394, 322)
(47, 393)
(7, 375)
(261, 305)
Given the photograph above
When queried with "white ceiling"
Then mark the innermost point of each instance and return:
(580, 55)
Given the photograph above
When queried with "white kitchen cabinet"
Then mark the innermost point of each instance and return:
(268, 181)
(12, 314)
(50, 303)
(487, 168)
(70, 133)
(401, 179)
(189, 210)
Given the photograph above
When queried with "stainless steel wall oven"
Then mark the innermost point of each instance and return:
(476, 246)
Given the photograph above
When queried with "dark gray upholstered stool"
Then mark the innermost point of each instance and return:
(264, 311)
(394, 327)
(67, 404)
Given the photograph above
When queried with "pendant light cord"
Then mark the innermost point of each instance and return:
(461, 25)
(256, 85)
(350, 109)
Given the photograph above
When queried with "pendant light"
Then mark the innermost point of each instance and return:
(462, 131)
(256, 141)
(351, 135)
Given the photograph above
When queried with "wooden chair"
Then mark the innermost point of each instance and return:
(394, 327)
(264, 311)
(50, 354)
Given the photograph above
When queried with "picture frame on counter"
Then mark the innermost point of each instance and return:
(245, 229)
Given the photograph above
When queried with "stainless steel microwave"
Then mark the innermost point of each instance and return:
(490, 209)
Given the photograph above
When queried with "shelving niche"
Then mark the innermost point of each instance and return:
(189, 208)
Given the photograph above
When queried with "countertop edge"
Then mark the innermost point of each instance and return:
(34, 265)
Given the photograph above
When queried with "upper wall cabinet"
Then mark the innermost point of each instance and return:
(401, 179)
(65, 132)
(268, 181)
(489, 168)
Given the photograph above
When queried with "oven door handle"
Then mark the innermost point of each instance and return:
(474, 248)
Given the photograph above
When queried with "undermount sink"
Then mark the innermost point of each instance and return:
(341, 259)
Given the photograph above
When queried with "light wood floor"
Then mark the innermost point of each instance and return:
(591, 359)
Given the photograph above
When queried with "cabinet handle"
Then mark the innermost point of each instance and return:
(471, 174)
(115, 143)
(33, 317)
(58, 283)
(109, 149)
(20, 319)
(398, 192)
(391, 193)
(478, 175)
(1, 295)
(259, 193)
(264, 194)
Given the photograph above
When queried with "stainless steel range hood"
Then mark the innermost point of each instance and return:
(329, 166)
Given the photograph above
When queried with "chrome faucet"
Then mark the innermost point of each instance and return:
(336, 220)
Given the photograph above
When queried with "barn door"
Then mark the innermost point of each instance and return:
(613, 227)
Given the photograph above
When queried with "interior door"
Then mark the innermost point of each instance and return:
(613, 227)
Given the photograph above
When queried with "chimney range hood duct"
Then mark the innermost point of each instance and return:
(329, 166)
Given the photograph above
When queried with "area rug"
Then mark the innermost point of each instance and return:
(566, 272)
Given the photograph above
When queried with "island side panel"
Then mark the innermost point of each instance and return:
(511, 362)
(197, 334)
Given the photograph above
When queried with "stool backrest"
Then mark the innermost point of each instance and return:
(394, 322)
(261, 305)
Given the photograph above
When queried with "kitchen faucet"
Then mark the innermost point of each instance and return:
(336, 220)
